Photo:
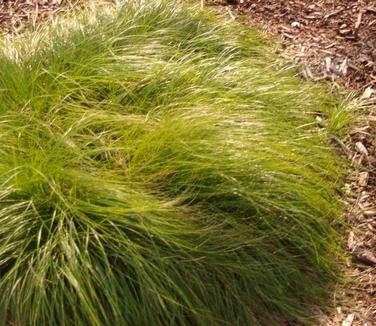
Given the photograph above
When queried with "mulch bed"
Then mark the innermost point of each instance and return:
(336, 38)
(15, 15)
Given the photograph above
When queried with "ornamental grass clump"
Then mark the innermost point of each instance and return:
(159, 168)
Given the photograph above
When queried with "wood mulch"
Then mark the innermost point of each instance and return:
(15, 15)
(336, 41)
(336, 38)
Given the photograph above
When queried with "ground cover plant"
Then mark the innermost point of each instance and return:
(158, 168)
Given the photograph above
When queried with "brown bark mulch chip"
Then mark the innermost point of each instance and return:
(359, 297)
(15, 15)
(337, 38)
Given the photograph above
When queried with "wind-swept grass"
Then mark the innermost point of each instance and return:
(157, 168)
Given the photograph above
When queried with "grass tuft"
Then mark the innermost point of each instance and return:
(159, 169)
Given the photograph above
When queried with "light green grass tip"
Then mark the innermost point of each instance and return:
(159, 168)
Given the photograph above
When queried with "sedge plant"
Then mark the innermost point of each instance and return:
(158, 167)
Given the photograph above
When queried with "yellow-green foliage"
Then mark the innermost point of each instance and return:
(158, 168)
